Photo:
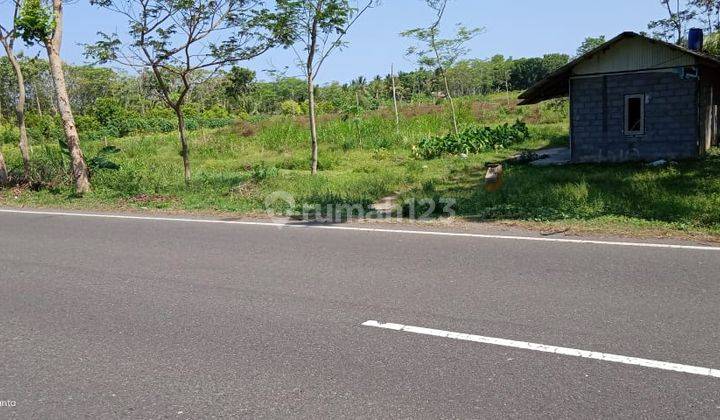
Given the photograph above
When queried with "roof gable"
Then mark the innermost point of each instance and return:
(633, 54)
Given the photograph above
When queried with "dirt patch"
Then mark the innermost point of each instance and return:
(420, 110)
(245, 129)
(245, 189)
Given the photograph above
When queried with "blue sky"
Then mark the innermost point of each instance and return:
(519, 28)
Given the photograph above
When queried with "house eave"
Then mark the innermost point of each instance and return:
(556, 85)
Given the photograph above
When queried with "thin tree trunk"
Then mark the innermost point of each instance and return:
(20, 112)
(54, 102)
(433, 43)
(185, 151)
(79, 168)
(141, 84)
(676, 19)
(310, 73)
(395, 103)
(3, 170)
(452, 102)
(313, 127)
(507, 87)
(37, 102)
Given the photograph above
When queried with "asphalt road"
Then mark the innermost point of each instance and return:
(107, 318)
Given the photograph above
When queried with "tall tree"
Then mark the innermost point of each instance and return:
(238, 84)
(183, 42)
(674, 24)
(708, 11)
(7, 39)
(37, 24)
(589, 44)
(438, 53)
(319, 28)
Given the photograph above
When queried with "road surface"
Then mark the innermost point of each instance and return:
(112, 317)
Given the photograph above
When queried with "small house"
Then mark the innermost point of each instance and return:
(637, 99)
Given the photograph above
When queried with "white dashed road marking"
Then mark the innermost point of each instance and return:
(606, 357)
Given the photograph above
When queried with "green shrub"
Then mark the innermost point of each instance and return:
(290, 107)
(8, 134)
(151, 124)
(712, 44)
(192, 124)
(111, 116)
(472, 140)
(160, 112)
(102, 160)
(43, 128)
(215, 122)
(100, 134)
(261, 172)
(215, 112)
(87, 123)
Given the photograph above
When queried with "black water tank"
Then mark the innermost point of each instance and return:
(695, 39)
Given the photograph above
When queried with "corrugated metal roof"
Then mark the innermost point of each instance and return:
(638, 53)
(634, 54)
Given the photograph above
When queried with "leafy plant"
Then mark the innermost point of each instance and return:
(290, 107)
(96, 163)
(472, 140)
(262, 172)
(35, 21)
(101, 160)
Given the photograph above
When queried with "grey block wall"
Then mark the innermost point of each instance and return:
(598, 117)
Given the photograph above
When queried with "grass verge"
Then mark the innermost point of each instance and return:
(363, 160)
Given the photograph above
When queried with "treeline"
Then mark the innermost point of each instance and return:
(106, 103)
(111, 103)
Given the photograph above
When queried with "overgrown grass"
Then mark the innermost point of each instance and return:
(684, 196)
(364, 159)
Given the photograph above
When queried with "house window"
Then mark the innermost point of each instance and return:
(634, 115)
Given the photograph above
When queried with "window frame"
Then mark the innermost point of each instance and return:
(626, 127)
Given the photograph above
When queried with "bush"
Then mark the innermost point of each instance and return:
(215, 122)
(262, 172)
(151, 124)
(87, 123)
(290, 107)
(8, 134)
(100, 134)
(191, 124)
(43, 128)
(215, 112)
(111, 116)
(472, 140)
(712, 44)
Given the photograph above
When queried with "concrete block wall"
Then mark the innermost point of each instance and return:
(598, 117)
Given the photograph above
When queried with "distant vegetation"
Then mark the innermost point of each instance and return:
(108, 104)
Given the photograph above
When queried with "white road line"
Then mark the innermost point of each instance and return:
(606, 357)
(362, 229)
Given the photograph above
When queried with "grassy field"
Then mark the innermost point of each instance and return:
(363, 159)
